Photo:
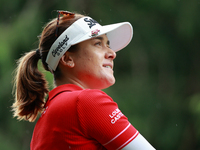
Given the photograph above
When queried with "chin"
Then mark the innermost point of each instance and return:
(109, 83)
(101, 83)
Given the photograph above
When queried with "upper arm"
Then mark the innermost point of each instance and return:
(102, 120)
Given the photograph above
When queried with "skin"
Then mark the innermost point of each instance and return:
(91, 66)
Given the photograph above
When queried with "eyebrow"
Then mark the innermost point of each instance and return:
(101, 38)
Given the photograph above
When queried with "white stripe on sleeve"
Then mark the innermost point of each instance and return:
(118, 135)
(139, 143)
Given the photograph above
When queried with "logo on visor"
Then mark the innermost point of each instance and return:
(95, 33)
(91, 22)
(61, 46)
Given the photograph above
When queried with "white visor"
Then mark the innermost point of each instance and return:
(85, 28)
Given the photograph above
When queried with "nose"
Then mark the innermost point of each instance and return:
(110, 54)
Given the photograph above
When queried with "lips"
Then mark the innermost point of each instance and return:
(109, 65)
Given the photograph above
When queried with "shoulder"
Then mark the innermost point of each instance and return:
(94, 95)
(92, 100)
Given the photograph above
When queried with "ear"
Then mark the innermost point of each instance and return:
(67, 60)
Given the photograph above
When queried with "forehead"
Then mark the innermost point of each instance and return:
(101, 37)
(85, 44)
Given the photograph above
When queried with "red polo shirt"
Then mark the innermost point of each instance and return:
(77, 118)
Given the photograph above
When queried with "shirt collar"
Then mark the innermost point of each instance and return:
(62, 88)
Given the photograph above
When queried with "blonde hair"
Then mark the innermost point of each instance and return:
(30, 85)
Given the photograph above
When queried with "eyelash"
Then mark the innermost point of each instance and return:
(99, 43)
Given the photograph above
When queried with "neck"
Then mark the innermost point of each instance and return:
(59, 82)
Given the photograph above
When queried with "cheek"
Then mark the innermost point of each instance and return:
(85, 57)
(90, 62)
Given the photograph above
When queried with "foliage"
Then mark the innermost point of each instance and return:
(157, 74)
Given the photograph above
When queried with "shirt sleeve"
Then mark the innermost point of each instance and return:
(102, 120)
(139, 143)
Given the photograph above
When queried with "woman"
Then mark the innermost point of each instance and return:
(79, 52)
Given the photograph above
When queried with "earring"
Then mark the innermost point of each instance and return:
(70, 64)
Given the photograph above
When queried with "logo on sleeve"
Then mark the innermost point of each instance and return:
(91, 22)
(116, 115)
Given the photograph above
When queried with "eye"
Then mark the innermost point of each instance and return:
(98, 43)
(108, 46)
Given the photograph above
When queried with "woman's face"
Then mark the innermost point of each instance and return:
(93, 63)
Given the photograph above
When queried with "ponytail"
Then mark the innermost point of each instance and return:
(30, 88)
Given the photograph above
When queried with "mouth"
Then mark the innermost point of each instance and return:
(109, 66)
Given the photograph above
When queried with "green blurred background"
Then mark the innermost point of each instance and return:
(157, 74)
